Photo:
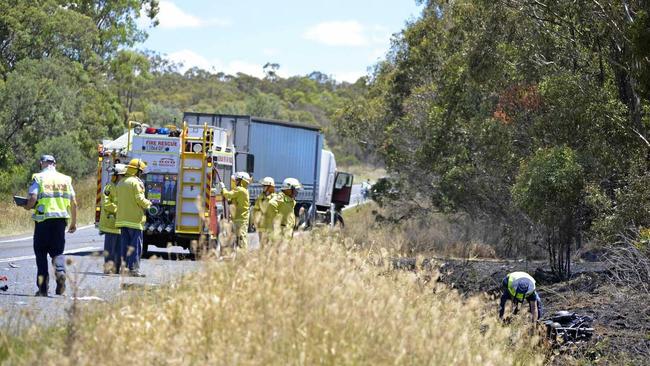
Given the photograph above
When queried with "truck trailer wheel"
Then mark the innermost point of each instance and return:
(338, 220)
(304, 215)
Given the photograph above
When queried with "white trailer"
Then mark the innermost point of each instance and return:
(282, 149)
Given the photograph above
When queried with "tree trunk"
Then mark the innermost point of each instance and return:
(559, 249)
(627, 93)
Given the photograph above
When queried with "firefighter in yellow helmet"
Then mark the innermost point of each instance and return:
(240, 198)
(280, 219)
(261, 206)
(130, 216)
(107, 222)
(53, 199)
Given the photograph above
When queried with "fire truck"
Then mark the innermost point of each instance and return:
(183, 165)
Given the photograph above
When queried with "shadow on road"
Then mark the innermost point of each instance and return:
(87, 273)
(91, 253)
(152, 254)
(16, 294)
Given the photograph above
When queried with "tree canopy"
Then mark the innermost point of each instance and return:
(70, 76)
(472, 91)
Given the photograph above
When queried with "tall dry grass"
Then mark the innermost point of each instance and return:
(16, 220)
(318, 300)
(430, 234)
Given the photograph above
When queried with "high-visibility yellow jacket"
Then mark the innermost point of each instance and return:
(131, 203)
(514, 279)
(109, 208)
(280, 212)
(54, 195)
(260, 208)
(241, 199)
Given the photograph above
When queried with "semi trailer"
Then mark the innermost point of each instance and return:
(281, 149)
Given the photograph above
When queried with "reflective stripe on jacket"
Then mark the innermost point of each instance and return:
(54, 195)
(514, 279)
(131, 203)
(109, 208)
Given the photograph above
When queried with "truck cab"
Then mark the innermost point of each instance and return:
(334, 190)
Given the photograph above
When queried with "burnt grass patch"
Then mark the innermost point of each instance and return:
(621, 313)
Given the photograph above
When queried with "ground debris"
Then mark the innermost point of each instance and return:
(564, 327)
(620, 315)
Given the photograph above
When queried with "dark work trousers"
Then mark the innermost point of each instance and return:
(112, 251)
(131, 247)
(49, 238)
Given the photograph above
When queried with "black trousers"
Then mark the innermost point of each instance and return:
(49, 239)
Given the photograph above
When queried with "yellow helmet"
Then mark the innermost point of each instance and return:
(243, 176)
(137, 164)
(134, 166)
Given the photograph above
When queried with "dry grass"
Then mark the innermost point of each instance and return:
(15, 220)
(434, 235)
(428, 234)
(318, 300)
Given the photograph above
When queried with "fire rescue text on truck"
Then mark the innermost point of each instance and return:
(182, 167)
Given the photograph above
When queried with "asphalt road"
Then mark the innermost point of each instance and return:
(19, 307)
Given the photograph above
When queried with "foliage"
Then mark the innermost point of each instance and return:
(548, 189)
(472, 88)
(385, 191)
(83, 31)
(70, 78)
(54, 94)
(129, 72)
(548, 186)
(311, 99)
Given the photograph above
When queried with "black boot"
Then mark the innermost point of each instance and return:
(42, 286)
(60, 283)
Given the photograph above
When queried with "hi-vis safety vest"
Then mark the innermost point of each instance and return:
(54, 194)
(513, 281)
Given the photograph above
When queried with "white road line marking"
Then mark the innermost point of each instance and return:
(29, 237)
(71, 251)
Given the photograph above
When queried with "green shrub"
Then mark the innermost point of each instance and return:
(70, 159)
(549, 189)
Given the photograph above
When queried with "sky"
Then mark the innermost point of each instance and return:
(336, 37)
